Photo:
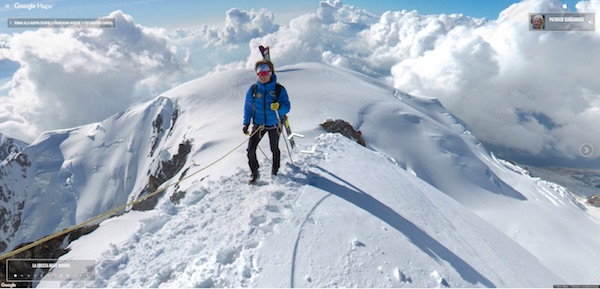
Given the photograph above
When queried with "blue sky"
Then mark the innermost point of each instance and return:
(173, 14)
(473, 8)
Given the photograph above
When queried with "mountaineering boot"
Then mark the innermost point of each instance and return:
(254, 178)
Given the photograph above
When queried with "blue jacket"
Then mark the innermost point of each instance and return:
(258, 109)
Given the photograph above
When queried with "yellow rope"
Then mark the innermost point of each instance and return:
(71, 229)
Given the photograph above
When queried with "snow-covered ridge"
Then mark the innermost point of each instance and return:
(322, 222)
(450, 210)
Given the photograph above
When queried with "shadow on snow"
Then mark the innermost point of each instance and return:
(420, 238)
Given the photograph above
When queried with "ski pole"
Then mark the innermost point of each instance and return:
(285, 136)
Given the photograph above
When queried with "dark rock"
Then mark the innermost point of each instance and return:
(24, 162)
(594, 200)
(345, 128)
(177, 197)
(157, 131)
(168, 169)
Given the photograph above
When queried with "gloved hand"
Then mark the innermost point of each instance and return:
(245, 129)
(275, 106)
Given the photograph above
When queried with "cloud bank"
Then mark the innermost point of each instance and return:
(535, 93)
(532, 93)
(240, 26)
(71, 77)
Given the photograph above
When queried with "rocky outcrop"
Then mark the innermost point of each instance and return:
(159, 126)
(167, 170)
(12, 202)
(345, 128)
(594, 200)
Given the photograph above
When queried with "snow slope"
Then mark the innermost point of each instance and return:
(424, 205)
(66, 177)
(323, 222)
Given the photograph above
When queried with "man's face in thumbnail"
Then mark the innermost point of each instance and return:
(537, 23)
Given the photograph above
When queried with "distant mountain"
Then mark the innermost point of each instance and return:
(422, 205)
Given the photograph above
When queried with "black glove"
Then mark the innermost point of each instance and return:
(245, 129)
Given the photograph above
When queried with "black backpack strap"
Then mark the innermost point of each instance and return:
(277, 91)
(254, 89)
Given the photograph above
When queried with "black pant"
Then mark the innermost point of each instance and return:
(253, 145)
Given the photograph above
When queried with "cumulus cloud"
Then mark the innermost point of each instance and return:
(527, 91)
(534, 93)
(71, 77)
(329, 36)
(349, 37)
(402, 35)
(240, 26)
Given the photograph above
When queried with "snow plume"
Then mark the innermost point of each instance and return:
(240, 26)
(70, 77)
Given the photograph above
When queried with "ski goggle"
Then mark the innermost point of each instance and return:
(263, 73)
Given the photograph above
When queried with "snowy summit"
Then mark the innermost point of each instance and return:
(424, 204)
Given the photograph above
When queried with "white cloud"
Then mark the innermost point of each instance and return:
(536, 93)
(71, 77)
(328, 35)
(240, 26)
(402, 35)
(533, 92)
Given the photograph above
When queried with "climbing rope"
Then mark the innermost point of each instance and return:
(139, 200)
